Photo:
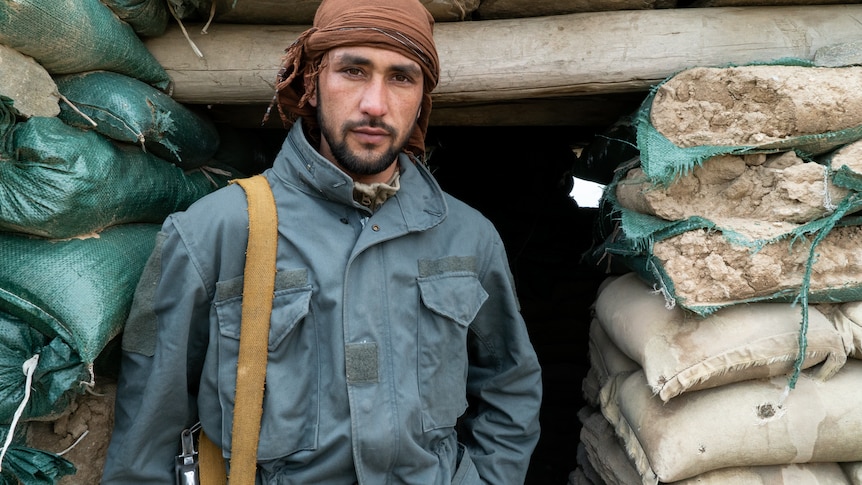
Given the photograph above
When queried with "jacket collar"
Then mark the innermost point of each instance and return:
(420, 200)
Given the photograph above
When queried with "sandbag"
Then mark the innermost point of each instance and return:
(148, 18)
(683, 352)
(128, 110)
(749, 423)
(23, 465)
(69, 36)
(27, 84)
(58, 374)
(708, 260)
(79, 290)
(780, 187)
(607, 455)
(60, 181)
(704, 112)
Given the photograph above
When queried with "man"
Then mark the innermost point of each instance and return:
(396, 352)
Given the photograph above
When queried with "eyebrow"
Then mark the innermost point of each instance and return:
(352, 59)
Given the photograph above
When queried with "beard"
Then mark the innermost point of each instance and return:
(362, 162)
(359, 162)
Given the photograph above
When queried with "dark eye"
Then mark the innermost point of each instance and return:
(402, 78)
(353, 71)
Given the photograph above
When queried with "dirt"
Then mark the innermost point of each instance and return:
(758, 196)
(84, 429)
(775, 188)
(706, 269)
(752, 105)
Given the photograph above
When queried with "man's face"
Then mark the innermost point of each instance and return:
(367, 102)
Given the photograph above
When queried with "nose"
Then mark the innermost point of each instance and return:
(374, 101)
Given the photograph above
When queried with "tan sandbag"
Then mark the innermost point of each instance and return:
(775, 188)
(605, 452)
(606, 359)
(853, 470)
(741, 424)
(28, 84)
(682, 352)
(609, 459)
(708, 270)
(756, 104)
(847, 319)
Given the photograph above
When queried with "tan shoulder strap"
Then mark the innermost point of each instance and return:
(258, 289)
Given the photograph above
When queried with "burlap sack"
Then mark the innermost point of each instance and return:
(681, 352)
(607, 456)
(741, 424)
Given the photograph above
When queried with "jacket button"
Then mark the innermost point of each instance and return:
(375, 228)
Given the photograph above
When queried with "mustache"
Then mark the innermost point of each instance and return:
(371, 123)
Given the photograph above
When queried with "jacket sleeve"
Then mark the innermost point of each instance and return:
(504, 386)
(165, 332)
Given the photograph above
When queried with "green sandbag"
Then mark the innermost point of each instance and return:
(57, 376)
(65, 182)
(23, 465)
(69, 36)
(148, 18)
(128, 110)
(79, 290)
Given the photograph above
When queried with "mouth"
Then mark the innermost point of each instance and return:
(370, 135)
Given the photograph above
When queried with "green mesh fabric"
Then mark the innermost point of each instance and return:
(58, 181)
(128, 110)
(191, 9)
(148, 18)
(663, 161)
(58, 373)
(78, 290)
(69, 36)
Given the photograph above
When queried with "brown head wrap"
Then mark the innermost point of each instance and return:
(403, 26)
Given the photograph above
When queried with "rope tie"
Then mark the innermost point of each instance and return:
(29, 368)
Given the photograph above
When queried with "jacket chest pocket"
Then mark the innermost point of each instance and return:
(290, 407)
(449, 303)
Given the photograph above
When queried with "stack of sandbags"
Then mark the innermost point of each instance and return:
(679, 398)
(93, 156)
(721, 353)
(746, 174)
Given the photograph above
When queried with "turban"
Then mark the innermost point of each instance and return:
(403, 26)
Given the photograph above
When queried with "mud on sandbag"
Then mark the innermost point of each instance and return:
(28, 84)
(128, 110)
(69, 36)
(704, 112)
(58, 182)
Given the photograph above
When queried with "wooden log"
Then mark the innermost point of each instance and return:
(773, 3)
(499, 60)
(511, 9)
(298, 12)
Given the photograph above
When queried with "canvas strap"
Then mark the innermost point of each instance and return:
(258, 289)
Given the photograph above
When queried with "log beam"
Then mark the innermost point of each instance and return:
(498, 61)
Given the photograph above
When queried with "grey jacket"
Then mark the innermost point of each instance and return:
(397, 354)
